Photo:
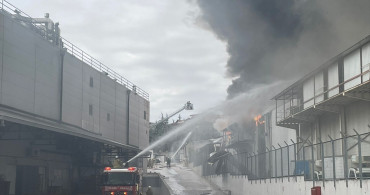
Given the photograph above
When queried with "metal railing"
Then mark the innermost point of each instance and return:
(291, 106)
(75, 51)
(344, 158)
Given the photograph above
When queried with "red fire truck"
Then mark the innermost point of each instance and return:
(121, 181)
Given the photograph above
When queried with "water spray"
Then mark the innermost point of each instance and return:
(182, 144)
(234, 107)
(183, 128)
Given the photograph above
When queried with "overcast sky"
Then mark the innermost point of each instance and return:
(157, 45)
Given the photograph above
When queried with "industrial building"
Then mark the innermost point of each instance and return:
(63, 114)
(316, 136)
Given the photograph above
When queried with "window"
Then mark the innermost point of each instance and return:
(144, 115)
(108, 117)
(90, 109)
(91, 82)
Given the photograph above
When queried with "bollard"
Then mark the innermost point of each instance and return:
(316, 190)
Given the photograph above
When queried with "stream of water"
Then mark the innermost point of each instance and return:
(182, 144)
(186, 127)
(245, 105)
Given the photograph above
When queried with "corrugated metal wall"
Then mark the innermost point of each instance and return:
(31, 72)
(280, 134)
(352, 68)
(121, 114)
(72, 91)
(319, 87)
(308, 92)
(333, 80)
(366, 61)
(31, 82)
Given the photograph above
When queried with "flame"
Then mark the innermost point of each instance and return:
(258, 120)
(227, 137)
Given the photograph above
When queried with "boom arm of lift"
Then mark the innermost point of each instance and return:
(187, 106)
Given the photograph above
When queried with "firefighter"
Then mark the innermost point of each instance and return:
(117, 163)
(149, 191)
(150, 163)
(168, 162)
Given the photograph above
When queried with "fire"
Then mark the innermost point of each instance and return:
(258, 120)
(228, 136)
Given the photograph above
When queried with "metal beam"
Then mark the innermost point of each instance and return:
(305, 119)
(359, 155)
(357, 97)
(333, 155)
(333, 109)
(304, 142)
(288, 125)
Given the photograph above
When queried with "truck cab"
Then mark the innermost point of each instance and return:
(121, 181)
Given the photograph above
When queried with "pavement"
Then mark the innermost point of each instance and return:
(183, 181)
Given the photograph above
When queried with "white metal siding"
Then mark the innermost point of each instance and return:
(280, 134)
(18, 68)
(351, 69)
(366, 61)
(121, 114)
(319, 87)
(143, 125)
(107, 105)
(134, 119)
(330, 125)
(31, 71)
(72, 91)
(333, 80)
(358, 118)
(308, 92)
(31, 81)
(91, 96)
(47, 80)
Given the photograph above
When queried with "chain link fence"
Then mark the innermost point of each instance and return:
(331, 160)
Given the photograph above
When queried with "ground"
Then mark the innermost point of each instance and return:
(183, 181)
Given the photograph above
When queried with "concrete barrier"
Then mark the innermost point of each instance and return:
(159, 187)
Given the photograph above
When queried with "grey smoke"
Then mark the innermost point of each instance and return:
(277, 40)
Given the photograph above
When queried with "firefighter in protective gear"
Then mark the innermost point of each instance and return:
(168, 162)
(149, 191)
(117, 163)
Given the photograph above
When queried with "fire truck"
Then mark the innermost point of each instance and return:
(121, 181)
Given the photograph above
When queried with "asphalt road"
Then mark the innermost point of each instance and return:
(183, 181)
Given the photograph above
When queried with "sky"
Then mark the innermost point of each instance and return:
(158, 45)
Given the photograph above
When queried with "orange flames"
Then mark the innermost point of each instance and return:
(228, 137)
(258, 120)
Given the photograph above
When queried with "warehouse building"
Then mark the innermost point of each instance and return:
(63, 114)
(316, 136)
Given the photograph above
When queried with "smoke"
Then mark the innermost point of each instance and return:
(221, 123)
(245, 106)
(270, 41)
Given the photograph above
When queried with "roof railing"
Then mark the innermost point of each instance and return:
(75, 51)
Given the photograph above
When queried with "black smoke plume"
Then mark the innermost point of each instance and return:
(273, 40)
